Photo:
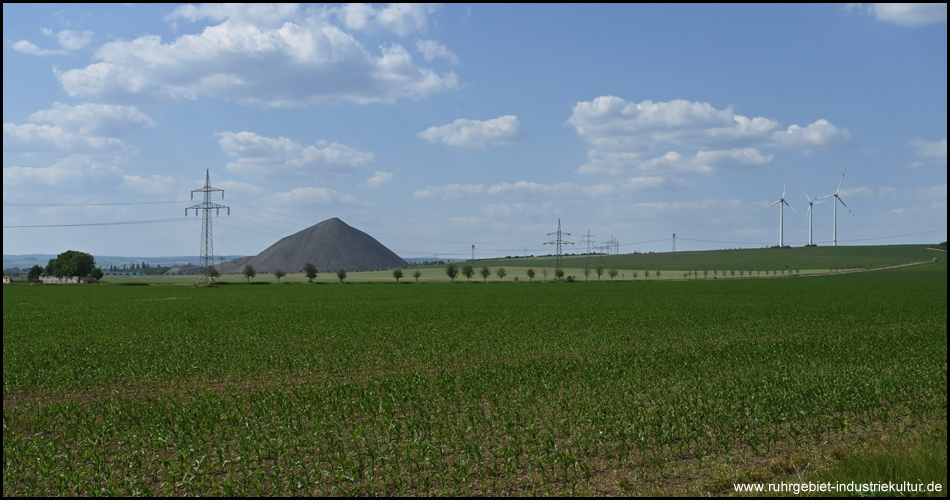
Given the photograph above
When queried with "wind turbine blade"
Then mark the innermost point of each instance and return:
(783, 190)
(807, 197)
(845, 206)
(808, 211)
(789, 206)
(779, 201)
(823, 197)
(839, 182)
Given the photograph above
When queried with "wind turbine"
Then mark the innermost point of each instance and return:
(810, 214)
(835, 202)
(781, 217)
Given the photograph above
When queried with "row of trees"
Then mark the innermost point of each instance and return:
(309, 270)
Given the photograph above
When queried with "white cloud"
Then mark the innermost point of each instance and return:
(269, 55)
(400, 19)
(910, 14)
(475, 133)
(430, 50)
(930, 149)
(694, 206)
(105, 120)
(313, 195)
(32, 49)
(72, 170)
(74, 40)
(450, 191)
(252, 152)
(379, 179)
(82, 129)
(696, 136)
(258, 14)
(518, 188)
(865, 192)
(518, 209)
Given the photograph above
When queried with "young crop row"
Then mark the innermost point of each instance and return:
(457, 390)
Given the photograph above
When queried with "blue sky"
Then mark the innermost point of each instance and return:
(437, 127)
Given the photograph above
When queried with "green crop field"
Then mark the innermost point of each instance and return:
(611, 388)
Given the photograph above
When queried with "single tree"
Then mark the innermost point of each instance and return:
(705, 273)
(310, 271)
(544, 272)
(416, 275)
(397, 274)
(485, 272)
(658, 274)
(468, 271)
(279, 274)
(341, 274)
(530, 274)
(634, 276)
(732, 273)
(213, 273)
(501, 273)
(71, 263)
(35, 272)
(646, 274)
(452, 271)
(96, 274)
(612, 273)
(587, 273)
(559, 274)
(600, 271)
(249, 272)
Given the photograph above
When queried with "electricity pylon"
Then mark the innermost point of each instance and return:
(559, 242)
(207, 245)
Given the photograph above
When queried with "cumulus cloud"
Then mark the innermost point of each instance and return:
(517, 188)
(86, 128)
(683, 136)
(94, 119)
(66, 171)
(32, 49)
(379, 179)
(930, 149)
(255, 153)
(313, 195)
(518, 209)
(74, 40)
(475, 133)
(430, 50)
(909, 14)
(401, 19)
(267, 55)
(694, 206)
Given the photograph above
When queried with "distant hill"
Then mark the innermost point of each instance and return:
(104, 261)
(330, 245)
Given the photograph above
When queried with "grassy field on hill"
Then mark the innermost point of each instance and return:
(658, 387)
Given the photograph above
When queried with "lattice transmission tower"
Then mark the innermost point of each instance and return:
(207, 245)
(559, 241)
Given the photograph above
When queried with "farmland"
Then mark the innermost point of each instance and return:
(610, 388)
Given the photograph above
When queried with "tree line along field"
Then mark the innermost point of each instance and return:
(717, 264)
(560, 389)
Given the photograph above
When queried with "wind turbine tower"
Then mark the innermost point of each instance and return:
(781, 217)
(835, 202)
(810, 214)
